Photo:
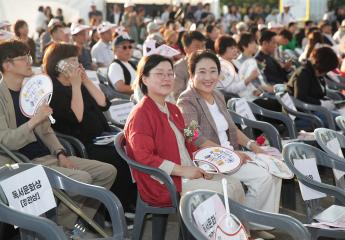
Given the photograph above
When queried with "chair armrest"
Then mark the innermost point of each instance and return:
(75, 142)
(155, 172)
(115, 128)
(44, 227)
(110, 201)
(337, 192)
(14, 155)
(286, 120)
(270, 132)
(307, 116)
(334, 94)
(334, 85)
(317, 108)
(284, 223)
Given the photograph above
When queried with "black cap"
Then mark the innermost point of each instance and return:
(120, 39)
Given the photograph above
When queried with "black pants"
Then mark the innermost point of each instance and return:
(123, 187)
(267, 103)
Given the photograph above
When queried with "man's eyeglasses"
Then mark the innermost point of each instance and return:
(27, 58)
(126, 47)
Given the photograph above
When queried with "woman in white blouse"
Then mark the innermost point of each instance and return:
(229, 80)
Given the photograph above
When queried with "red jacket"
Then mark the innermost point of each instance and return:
(150, 140)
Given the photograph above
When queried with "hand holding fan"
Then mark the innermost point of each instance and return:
(217, 160)
(35, 91)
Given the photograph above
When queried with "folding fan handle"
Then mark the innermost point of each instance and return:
(226, 201)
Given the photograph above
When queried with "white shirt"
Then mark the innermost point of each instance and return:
(246, 68)
(115, 72)
(117, 18)
(40, 21)
(102, 53)
(230, 81)
(286, 18)
(221, 124)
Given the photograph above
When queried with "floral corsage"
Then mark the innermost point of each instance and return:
(192, 131)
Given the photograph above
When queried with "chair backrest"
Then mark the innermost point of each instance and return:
(294, 151)
(155, 172)
(323, 137)
(107, 88)
(270, 132)
(27, 223)
(119, 111)
(340, 121)
(60, 181)
(260, 111)
(315, 121)
(310, 108)
(190, 201)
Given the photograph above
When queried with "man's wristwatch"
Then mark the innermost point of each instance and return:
(59, 152)
(249, 143)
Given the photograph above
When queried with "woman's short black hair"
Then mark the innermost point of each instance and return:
(11, 49)
(145, 65)
(324, 59)
(56, 52)
(200, 55)
(18, 25)
(245, 40)
(222, 43)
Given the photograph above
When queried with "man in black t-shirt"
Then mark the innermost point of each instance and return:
(275, 72)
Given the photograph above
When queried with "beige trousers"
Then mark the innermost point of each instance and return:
(235, 189)
(89, 171)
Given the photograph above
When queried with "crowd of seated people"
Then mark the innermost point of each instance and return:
(242, 58)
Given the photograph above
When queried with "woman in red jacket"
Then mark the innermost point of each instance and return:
(154, 137)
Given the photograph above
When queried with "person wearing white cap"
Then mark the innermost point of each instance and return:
(80, 35)
(45, 37)
(122, 71)
(57, 32)
(102, 52)
(286, 16)
(275, 27)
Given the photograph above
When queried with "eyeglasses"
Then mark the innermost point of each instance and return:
(27, 58)
(126, 47)
(163, 75)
